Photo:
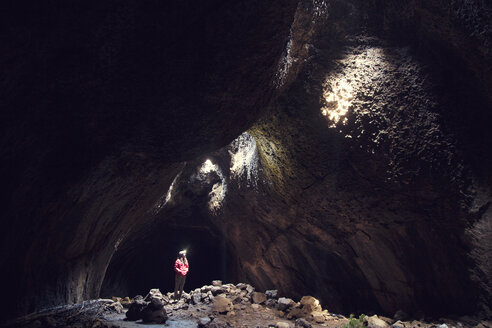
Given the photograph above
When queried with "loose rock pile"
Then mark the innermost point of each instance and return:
(222, 299)
(225, 305)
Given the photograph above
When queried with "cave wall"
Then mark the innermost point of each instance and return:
(387, 208)
(381, 208)
(102, 103)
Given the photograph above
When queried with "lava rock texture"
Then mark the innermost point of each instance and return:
(363, 180)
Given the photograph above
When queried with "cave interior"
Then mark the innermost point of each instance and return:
(334, 148)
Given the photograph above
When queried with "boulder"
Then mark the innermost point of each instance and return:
(302, 323)
(285, 303)
(258, 298)
(155, 303)
(115, 307)
(310, 304)
(154, 312)
(375, 322)
(271, 293)
(222, 304)
(135, 309)
(217, 283)
(159, 316)
(318, 317)
(271, 302)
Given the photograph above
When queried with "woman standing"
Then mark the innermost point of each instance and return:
(181, 268)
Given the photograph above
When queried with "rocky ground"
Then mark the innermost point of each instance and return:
(218, 305)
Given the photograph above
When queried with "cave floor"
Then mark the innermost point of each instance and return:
(244, 315)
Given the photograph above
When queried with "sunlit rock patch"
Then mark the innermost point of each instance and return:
(244, 159)
(219, 189)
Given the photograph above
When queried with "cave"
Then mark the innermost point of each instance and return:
(333, 148)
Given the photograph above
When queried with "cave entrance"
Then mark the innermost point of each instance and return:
(145, 263)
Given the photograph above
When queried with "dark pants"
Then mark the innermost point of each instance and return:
(178, 286)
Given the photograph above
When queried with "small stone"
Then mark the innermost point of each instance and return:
(217, 283)
(255, 306)
(310, 304)
(217, 290)
(241, 285)
(205, 289)
(222, 304)
(271, 293)
(249, 289)
(196, 298)
(285, 303)
(302, 323)
(271, 303)
(203, 322)
(398, 324)
(375, 322)
(282, 324)
(258, 297)
(155, 292)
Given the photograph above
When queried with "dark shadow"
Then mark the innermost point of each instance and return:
(140, 266)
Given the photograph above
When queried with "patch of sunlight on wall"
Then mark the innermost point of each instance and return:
(219, 190)
(244, 159)
(338, 101)
(159, 205)
(356, 75)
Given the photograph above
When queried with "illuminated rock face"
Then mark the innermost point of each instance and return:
(366, 183)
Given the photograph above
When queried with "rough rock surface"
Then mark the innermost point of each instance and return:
(366, 183)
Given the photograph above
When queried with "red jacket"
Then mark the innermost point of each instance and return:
(180, 267)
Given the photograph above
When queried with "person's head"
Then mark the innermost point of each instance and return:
(182, 254)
